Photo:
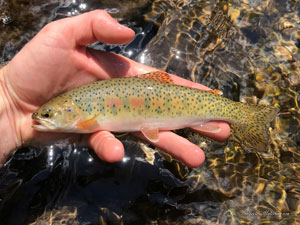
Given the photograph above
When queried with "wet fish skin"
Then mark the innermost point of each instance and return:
(148, 105)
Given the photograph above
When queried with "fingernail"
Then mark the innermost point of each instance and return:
(115, 23)
(122, 27)
(198, 86)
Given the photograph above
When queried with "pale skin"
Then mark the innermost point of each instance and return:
(57, 60)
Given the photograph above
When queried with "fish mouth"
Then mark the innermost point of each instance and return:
(43, 125)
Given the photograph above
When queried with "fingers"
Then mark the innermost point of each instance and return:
(108, 62)
(188, 83)
(179, 147)
(108, 65)
(106, 146)
(92, 26)
(110, 149)
(220, 136)
(98, 25)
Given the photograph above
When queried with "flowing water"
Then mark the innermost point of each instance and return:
(247, 48)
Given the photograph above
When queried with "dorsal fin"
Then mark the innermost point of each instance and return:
(160, 76)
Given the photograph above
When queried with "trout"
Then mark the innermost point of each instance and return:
(149, 103)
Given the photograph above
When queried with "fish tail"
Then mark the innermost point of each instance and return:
(252, 127)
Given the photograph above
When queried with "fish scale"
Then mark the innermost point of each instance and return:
(149, 103)
(182, 102)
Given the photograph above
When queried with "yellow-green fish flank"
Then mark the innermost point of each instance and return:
(148, 105)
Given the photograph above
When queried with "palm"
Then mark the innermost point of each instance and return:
(50, 70)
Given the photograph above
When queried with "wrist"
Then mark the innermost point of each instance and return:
(9, 129)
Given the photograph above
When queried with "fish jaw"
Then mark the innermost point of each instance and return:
(40, 128)
(44, 126)
(49, 126)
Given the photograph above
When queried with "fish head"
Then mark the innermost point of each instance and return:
(58, 115)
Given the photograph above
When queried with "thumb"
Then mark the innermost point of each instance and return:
(92, 26)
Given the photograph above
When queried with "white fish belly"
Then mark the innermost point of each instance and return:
(130, 125)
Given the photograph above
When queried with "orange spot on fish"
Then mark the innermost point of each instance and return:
(88, 124)
(136, 102)
(114, 102)
(157, 103)
(176, 103)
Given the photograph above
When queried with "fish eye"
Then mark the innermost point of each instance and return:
(47, 112)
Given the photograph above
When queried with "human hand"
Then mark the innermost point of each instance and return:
(57, 60)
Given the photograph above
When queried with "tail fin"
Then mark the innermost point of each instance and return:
(253, 131)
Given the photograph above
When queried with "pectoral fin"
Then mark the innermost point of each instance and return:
(150, 133)
(87, 124)
(209, 127)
